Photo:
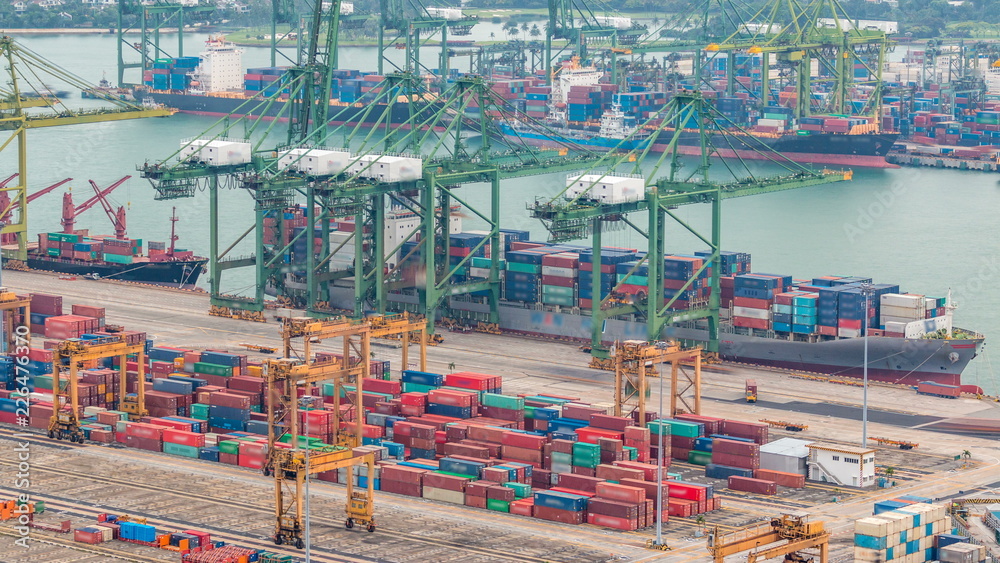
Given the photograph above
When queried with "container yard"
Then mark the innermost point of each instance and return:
(458, 473)
(360, 377)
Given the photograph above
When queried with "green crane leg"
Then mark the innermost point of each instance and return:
(311, 247)
(213, 235)
(378, 226)
(261, 270)
(714, 298)
(597, 317)
(654, 262)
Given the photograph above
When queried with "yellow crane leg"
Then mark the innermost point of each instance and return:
(822, 542)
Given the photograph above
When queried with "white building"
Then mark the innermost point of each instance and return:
(221, 67)
(450, 14)
(844, 465)
(605, 188)
(789, 455)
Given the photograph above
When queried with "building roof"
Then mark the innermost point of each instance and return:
(791, 447)
(840, 448)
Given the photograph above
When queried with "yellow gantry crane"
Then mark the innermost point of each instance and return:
(634, 362)
(795, 533)
(291, 467)
(10, 306)
(66, 423)
(22, 90)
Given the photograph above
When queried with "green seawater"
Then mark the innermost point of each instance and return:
(928, 230)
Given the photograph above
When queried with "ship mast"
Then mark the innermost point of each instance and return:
(949, 310)
(173, 230)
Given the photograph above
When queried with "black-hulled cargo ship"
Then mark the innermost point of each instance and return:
(178, 273)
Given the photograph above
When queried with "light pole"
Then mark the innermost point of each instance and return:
(659, 452)
(306, 503)
(866, 290)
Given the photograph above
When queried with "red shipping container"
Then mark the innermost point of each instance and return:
(735, 447)
(606, 422)
(746, 322)
(687, 491)
(224, 399)
(383, 386)
(526, 441)
(450, 398)
(619, 492)
(579, 482)
(414, 399)
(752, 303)
(792, 480)
(603, 520)
(591, 435)
(184, 438)
(446, 482)
(522, 507)
(145, 431)
(557, 515)
(758, 486)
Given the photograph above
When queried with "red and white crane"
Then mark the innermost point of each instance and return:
(7, 206)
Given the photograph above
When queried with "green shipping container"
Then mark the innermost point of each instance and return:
(229, 446)
(116, 259)
(633, 279)
(417, 387)
(199, 411)
(560, 300)
(699, 458)
(675, 428)
(181, 450)
(559, 457)
(521, 490)
(303, 440)
(503, 401)
(52, 251)
(633, 453)
(498, 505)
(213, 369)
(523, 268)
(43, 382)
(557, 291)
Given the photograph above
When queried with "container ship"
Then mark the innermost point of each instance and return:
(815, 325)
(576, 110)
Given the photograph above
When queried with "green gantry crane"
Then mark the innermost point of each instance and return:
(580, 216)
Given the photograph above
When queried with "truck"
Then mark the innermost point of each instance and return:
(751, 391)
(938, 390)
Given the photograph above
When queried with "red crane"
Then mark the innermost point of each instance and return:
(70, 211)
(7, 206)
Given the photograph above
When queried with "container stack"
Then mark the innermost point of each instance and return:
(795, 311)
(536, 104)
(753, 296)
(900, 534)
(597, 281)
(560, 274)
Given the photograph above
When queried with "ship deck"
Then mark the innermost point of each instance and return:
(832, 413)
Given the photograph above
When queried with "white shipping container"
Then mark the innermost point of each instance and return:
(930, 303)
(216, 153)
(751, 313)
(560, 272)
(772, 122)
(901, 312)
(617, 22)
(897, 521)
(443, 495)
(605, 189)
(869, 555)
(479, 272)
(849, 332)
(323, 162)
(890, 320)
(387, 168)
(450, 14)
(902, 300)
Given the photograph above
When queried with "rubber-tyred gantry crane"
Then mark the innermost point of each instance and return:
(792, 534)
(634, 361)
(292, 466)
(65, 423)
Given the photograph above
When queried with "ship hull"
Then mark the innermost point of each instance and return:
(180, 273)
(868, 150)
(905, 361)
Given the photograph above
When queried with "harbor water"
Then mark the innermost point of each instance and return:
(930, 230)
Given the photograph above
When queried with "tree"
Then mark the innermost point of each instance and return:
(535, 31)
(966, 454)
(451, 366)
(524, 28)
